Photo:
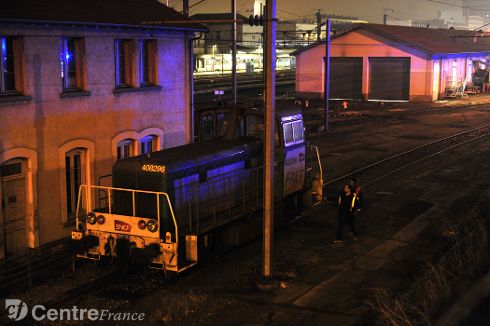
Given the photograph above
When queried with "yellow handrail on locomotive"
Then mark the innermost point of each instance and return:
(87, 189)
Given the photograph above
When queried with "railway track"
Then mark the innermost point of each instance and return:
(314, 119)
(369, 174)
(386, 167)
(36, 265)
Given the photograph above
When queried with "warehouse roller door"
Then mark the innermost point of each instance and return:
(346, 78)
(389, 79)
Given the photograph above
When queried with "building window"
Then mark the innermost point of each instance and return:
(220, 125)
(10, 65)
(125, 149)
(74, 172)
(124, 58)
(206, 127)
(148, 62)
(255, 127)
(72, 65)
(293, 132)
(148, 144)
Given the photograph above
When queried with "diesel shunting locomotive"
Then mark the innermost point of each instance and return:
(166, 208)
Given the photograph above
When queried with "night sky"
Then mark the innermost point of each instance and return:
(371, 10)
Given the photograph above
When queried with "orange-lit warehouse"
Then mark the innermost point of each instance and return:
(395, 63)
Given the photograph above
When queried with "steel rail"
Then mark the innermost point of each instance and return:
(479, 132)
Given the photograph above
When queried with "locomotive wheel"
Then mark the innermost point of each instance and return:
(102, 262)
(169, 275)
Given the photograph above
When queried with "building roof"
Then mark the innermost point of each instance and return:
(130, 13)
(218, 16)
(433, 41)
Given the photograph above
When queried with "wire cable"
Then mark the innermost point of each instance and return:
(453, 5)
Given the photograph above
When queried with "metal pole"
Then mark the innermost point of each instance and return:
(191, 90)
(318, 25)
(233, 53)
(327, 75)
(269, 136)
(185, 8)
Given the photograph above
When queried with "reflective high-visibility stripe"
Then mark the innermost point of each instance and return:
(353, 200)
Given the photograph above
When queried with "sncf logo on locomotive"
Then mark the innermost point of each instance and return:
(153, 168)
(122, 226)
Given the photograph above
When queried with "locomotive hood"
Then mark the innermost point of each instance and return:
(188, 157)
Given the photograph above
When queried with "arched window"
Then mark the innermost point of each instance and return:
(76, 162)
(125, 149)
(148, 144)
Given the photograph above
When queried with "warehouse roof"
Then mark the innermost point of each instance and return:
(133, 13)
(434, 41)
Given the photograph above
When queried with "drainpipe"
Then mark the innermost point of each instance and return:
(190, 71)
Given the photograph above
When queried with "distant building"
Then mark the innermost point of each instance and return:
(477, 8)
(83, 84)
(453, 17)
(476, 23)
(398, 22)
(218, 38)
(213, 50)
(393, 63)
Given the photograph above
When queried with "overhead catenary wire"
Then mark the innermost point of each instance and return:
(290, 13)
(453, 5)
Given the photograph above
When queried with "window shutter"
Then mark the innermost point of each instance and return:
(81, 64)
(18, 45)
(153, 61)
(130, 62)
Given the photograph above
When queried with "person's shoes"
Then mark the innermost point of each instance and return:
(337, 241)
(354, 239)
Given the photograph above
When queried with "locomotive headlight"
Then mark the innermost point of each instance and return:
(91, 218)
(141, 225)
(101, 219)
(152, 226)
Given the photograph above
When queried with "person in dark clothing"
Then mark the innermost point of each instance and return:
(347, 202)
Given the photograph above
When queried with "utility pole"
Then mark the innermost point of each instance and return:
(233, 53)
(327, 75)
(263, 10)
(270, 99)
(318, 25)
(185, 8)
